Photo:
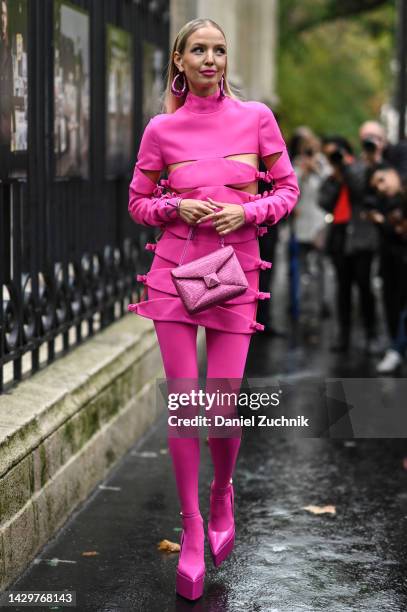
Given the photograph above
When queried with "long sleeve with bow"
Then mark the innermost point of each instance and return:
(277, 203)
(148, 205)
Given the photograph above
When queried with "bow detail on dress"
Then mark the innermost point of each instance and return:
(262, 230)
(264, 265)
(263, 295)
(150, 246)
(264, 176)
(158, 191)
(256, 325)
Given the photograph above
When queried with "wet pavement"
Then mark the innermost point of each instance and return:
(286, 559)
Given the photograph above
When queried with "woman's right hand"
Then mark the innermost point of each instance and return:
(191, 210)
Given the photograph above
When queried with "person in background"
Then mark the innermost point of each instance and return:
(390, 215)
(377, 148)
(381, 203)
(352, 239)
(311, 167)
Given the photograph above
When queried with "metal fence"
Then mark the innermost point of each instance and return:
(68, 248)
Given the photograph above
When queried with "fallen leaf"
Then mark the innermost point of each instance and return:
(90, 553)
(168, 546)
(320, 509)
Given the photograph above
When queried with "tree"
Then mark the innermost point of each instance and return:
(297, 17)
(334, 63)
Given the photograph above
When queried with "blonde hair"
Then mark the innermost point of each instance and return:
(171, 103)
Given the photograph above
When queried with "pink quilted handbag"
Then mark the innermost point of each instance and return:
(209, 280)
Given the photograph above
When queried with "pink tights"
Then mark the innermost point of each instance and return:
(226, 358)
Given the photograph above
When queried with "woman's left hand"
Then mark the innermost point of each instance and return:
(228, 219)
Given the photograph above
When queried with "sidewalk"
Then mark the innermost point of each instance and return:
(285, 559)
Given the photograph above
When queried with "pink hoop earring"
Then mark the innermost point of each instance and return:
(222, 87)
(179, 92)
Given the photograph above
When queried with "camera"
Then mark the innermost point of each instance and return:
(309, 152)
(336, 157)
(369, 145)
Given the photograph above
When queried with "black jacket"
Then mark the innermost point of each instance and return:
(358, 234)
(392, 243)
(396, 155)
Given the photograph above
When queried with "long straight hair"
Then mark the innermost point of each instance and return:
(171, 103)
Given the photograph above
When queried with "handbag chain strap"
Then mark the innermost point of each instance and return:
(190, 236)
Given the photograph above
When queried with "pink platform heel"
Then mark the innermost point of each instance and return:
(191, 564)
(221, 542)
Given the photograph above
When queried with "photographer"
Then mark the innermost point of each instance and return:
(376, 148)
(389, 212)
(352, 239)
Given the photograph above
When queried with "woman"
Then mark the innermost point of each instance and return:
(209, 141)
(389, 212)
(311, 167)
(351, 241)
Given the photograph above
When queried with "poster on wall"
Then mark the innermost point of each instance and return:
(13, 88)
(119, 101)
(153, 82)
(71, 90)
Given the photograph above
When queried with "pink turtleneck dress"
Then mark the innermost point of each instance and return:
(204, 132)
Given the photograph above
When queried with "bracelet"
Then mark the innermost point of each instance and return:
(174, 206)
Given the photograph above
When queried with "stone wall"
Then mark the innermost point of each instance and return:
(63, 429)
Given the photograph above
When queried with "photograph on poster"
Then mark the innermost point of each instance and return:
(119, 101)
(71, 90)
(153, 80)
(13, 87)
